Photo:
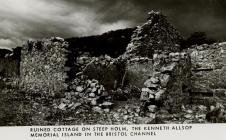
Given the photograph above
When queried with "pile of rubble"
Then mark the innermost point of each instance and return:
(82, 61)
(126, 115)
(96, 82)
(88, 92)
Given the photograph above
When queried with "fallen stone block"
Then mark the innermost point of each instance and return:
(164, 79)
(159, 94)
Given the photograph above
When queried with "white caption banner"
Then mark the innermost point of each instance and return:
(174, 131)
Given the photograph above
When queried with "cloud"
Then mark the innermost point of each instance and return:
(6, 42)
(113, 26)
(34, 19)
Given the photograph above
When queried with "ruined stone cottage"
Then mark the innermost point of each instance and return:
(153, 62)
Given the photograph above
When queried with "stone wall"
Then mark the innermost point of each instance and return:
(208, 70)
(108, 71)
(137, 71)
(154, 62)
(157, 34)
(169, 82)
(42, 66)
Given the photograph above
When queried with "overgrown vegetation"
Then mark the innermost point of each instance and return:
(197, 38)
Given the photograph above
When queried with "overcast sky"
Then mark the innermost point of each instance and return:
(33, 19)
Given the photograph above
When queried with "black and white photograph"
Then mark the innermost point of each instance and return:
(105, 62)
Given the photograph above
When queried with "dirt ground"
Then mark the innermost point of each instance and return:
(20, 109)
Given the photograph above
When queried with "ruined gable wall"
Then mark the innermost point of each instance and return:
(164, 71)
(157, 34)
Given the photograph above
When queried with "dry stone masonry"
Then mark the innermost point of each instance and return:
(137, 70)
(208, 66)
(153, 36)
(165, 76)
(154, 62)
(85, 91)
(148, 64)
(105, 69)
(166, 84)
(42, 67)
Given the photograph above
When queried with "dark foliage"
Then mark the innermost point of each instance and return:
(4, 52)
(197, 38)
(113, 43)
(10, 62)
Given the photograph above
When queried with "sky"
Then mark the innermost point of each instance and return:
(21, 20)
